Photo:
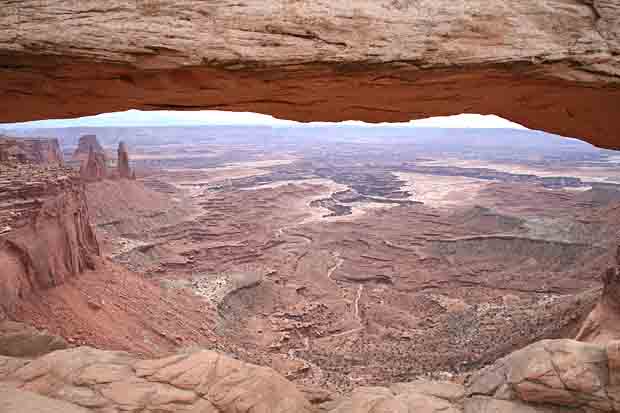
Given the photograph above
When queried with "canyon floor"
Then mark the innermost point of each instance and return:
(343, 263)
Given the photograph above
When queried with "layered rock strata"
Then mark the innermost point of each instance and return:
(32, 150)
(95, 168)
(45, 234)
(85, 145)
(552, 65)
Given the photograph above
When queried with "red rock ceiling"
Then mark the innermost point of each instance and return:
(55, 88)
(552, 65)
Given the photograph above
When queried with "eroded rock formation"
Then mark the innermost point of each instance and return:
(124, 172)
(33, 150)
(85, 145)
(552, 65)
(202, 381)
(94, 169)
(45, 235)
(603, 325)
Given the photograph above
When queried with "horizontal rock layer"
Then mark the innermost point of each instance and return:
(34, 150)
(551, 65)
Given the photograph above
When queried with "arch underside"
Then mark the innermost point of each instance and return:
(552, 65)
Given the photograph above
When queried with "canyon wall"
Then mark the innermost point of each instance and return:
(552, 65)
(33, 150)
(45, 234)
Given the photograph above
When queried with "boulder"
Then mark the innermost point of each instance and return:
(561, 373)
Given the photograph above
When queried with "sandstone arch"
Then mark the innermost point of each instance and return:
(551, 65)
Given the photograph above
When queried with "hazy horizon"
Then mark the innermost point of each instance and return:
(138, 118)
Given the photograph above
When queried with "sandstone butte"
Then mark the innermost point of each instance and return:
(551, 65)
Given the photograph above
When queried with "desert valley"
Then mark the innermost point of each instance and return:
(340, 256)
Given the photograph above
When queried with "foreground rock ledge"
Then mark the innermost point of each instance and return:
(545, 377)
(552, 65)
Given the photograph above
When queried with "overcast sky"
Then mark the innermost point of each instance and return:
(214, 117)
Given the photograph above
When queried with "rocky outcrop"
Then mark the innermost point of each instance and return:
(420, 396)
(45, 234)
(124, 171)
(94, 169)
(22, 340)
(543, 64)
(85, 145)
(602, 325)
(105, 381)
(549, 376)
(30, 150)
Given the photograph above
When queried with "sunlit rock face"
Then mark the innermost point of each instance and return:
(550, 65)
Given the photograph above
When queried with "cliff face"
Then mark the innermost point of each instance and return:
(552, 65)
(85, 145)
(45, 235)
(602, 324)
(94, 169)
(33, 150)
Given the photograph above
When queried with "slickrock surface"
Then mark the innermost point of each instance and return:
(549, 376)
(34, 150)
(45, 235)
(200, 381)
(545, 377)
(123, 162)
(551, 65)
(557, 373)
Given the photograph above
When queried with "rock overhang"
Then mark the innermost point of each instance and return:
(552, 66)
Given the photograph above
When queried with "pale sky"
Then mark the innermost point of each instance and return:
(215, 117)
